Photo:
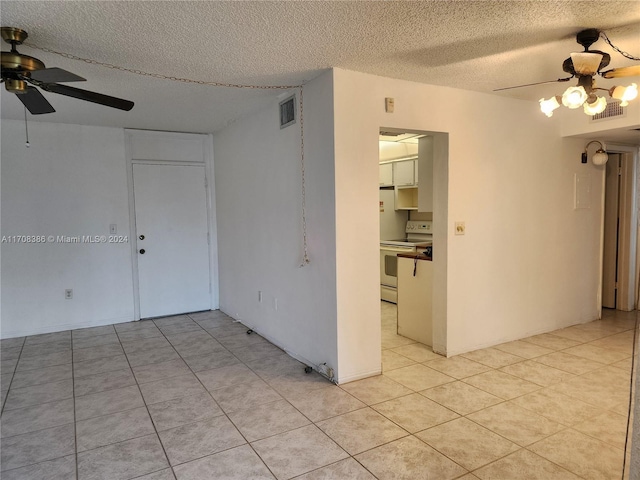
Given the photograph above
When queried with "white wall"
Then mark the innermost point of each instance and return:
(528, 263)
(71, 181)
(258, 197)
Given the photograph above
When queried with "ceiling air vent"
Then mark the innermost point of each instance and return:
(288, 111)
(613, 110)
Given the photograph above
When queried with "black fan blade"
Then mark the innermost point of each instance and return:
(35, 101)
(88, 96)
(532, 84)
(55, 75)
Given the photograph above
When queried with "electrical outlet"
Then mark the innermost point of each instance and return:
(460, 228)
(68, 293)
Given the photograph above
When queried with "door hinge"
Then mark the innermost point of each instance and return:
(620, 171)
(615, 285)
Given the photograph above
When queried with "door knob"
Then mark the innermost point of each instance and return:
(141, 237)
(142, 250)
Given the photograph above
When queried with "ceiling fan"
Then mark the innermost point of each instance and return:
(585, 66)
(20, 72)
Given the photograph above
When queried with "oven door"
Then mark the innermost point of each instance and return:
(389, 263)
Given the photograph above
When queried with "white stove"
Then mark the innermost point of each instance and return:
(419, 235)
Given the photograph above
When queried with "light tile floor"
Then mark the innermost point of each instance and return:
(195, 397)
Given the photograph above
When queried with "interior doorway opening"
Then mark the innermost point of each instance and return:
(620, 225)
(413, 202)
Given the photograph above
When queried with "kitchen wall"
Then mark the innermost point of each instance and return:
(71, 181)
(258, 195)
(529, 261)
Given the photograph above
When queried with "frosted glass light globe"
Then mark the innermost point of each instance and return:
(574, 97)
(597, 106)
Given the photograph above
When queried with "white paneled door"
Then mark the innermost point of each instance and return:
(172, 240)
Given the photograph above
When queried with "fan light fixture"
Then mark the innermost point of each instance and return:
(625, 94)
(579, 96)
(599, 158)
(594, 104)
(584, 66)
(574, 97)
(548, 106)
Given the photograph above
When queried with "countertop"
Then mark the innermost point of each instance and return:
(419, 256)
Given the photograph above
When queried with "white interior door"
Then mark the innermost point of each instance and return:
(172, 239)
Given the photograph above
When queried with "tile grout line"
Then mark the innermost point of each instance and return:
(222, 410)
(286, 431)
(41, 429)
(205, 389)
(147, 409)
(75, 420)
(13, 374)
(565, 427)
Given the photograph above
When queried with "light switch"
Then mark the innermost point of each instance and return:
(459, 228)
(389, 104)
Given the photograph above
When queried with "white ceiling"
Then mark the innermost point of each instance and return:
(474, 45)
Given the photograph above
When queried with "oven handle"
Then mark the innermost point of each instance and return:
(397, 249)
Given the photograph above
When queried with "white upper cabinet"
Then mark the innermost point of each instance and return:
(404, 173)
(425, 160)
(386, 175)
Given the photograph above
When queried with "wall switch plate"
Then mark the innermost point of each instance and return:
(68, 294)
(389, 104)
(460, 228)
(113, 229)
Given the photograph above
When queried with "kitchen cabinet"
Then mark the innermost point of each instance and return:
(386, 175)
(432, 150)
(404, 173)
(415, 294)
(406, 198)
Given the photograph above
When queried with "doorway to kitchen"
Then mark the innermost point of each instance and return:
(413, 167)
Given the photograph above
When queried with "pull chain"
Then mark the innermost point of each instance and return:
(305, 255)
(26, 129)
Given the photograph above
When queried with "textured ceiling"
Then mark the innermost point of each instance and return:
(474, 45)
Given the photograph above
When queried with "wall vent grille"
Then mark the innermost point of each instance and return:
(613, 110)
(288, 111)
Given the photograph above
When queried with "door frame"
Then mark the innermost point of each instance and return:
(628, 243)
(200, 155)
(440, 181)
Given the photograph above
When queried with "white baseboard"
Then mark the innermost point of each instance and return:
(358, 376)
(62, 327)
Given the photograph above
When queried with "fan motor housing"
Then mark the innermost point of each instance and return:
(568, 67)
(15, 86)
(20, 63)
